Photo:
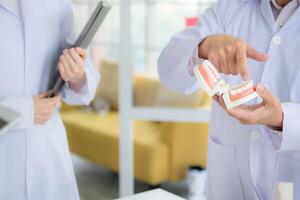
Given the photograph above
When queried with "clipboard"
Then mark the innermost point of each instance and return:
(83, 41)
(9, 119)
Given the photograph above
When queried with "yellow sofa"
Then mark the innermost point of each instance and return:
(162, 151)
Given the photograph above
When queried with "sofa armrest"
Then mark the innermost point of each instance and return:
(188, 146)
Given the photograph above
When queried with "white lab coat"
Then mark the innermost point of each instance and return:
(35, 161)
(246, 162)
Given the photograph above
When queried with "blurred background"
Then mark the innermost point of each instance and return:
(165, 153)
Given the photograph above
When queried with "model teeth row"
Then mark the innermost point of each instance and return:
(211, 70)
(242, 88)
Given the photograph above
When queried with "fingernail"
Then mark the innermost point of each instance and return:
(260, 87)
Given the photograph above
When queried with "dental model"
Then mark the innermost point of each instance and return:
(212, 84)
(239, 94)
(209, 78)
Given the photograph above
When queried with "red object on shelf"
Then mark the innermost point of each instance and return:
(191, 21)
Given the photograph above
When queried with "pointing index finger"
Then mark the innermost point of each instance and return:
(256, 55)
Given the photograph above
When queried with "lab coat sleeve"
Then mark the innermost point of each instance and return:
(181, 53)
(288, 139)
(87, 92)
(24, 106)
(291, 127)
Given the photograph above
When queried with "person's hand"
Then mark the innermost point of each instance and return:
(228, 54)
(44, 108)
(71, 67)
(268, 113)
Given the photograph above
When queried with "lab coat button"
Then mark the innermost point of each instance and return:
(276, 40)
(255, 135)
(281, 23)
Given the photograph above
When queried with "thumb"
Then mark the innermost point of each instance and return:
(56, 99)
(42, 95)
(264, 93)
(252, 53)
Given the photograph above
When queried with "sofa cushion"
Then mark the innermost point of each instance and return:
(109, 85)
(146, 88)
(168, 98)
(96, 138)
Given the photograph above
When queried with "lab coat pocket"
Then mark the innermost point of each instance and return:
(223, 177)
(287, 171)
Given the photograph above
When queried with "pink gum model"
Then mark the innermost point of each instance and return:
(212, 84)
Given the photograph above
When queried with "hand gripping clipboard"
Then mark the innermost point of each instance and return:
(83, 41)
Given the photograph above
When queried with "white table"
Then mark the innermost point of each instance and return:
(157, 194)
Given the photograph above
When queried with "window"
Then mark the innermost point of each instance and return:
(153, 22)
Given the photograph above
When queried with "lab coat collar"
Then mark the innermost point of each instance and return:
(23, 10)
(8, 9)
(267, 13)
(25, 6)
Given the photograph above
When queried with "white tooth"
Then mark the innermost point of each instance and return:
(244, 88)
(250, 84)
(213, 71)
(233, 92)
(216, 72)
(206, 63)
(212, 78)
(239, 90)
(222, 83)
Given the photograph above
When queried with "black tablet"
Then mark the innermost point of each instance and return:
(83, 41)
(8, 119)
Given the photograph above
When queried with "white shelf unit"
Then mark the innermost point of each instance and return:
(129, 113)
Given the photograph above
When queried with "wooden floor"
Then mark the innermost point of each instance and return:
(96, 183)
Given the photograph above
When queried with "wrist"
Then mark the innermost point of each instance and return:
(78, 83)
(278, 123)
(274, 128)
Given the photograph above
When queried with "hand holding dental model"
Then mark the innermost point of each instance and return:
(268, 113)
(228, 55)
